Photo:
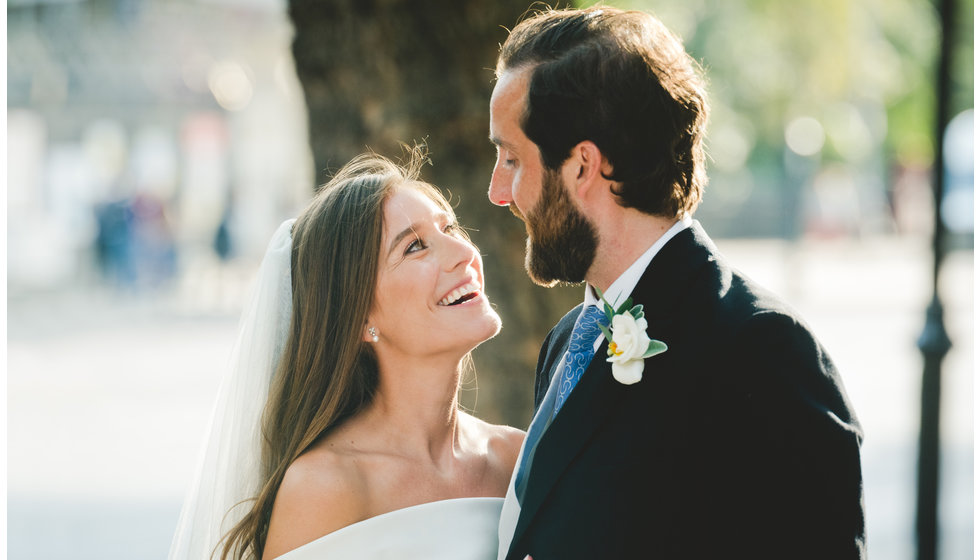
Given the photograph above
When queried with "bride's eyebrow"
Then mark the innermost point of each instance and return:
(402, 235)
(413, 229)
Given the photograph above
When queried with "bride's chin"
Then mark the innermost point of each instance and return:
(489, 328)
(493, 324)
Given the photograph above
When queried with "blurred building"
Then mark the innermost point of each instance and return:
(145, 137)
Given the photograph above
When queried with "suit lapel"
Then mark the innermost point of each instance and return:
(597, 394)
(593, 398)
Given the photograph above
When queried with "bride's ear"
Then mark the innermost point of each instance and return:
(370, 334)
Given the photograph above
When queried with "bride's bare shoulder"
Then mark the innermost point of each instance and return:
(323, 490)
(503, 442)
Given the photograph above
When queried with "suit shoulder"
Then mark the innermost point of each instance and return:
(565, 324)
(558, 335)
(770, 341)
(784, 353)
(736, 301)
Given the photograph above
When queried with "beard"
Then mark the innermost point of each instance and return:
(561, 242)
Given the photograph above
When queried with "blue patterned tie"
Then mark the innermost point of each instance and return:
(574, 362)
(581, 349)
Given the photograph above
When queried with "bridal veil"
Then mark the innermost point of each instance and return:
(230, 469)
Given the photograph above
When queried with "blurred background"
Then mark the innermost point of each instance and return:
(153, 147)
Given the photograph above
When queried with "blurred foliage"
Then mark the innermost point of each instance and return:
(865, 69)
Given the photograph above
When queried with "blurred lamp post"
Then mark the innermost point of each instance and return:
(934, 342)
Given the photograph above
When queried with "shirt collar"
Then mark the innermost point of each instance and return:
(623, 286)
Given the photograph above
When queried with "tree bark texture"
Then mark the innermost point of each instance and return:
(377, 73)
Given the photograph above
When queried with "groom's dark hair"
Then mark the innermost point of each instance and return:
(623, 81)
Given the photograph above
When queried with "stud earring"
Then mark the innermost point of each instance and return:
(374, 334)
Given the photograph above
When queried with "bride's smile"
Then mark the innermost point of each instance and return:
(469, 291)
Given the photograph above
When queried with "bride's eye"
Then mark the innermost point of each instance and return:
(415, 246)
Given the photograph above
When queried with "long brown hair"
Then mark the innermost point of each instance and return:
(327, 372)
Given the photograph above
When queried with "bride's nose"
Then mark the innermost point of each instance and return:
(459, 252)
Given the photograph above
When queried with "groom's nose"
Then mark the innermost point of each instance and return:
(500, 192)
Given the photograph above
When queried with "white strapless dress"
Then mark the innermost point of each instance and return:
(459, 529)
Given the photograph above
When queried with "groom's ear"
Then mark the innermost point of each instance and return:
(586, 169)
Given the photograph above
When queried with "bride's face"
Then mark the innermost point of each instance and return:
(429, 298)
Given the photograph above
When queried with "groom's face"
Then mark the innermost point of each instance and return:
(561, 243)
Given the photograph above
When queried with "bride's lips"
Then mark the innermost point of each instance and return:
(468, 290)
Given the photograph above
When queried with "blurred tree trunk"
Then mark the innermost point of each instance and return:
(380, 72)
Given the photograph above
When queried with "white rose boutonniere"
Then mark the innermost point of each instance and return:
(629, 344)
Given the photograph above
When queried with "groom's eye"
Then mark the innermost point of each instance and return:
(504, 156)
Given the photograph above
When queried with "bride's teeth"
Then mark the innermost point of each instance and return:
(458, 293)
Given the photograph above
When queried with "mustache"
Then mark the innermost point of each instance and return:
(516, 212)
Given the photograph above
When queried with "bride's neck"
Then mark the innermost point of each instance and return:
(416, 408)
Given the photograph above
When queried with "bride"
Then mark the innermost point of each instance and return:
(337, 432)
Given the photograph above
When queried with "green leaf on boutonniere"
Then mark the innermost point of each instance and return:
(606, 308)
(606, 332)
(628, 304)
(637, 311)
(608, 311)
(655, 347)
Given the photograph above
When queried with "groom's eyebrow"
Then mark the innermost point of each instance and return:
(500, 143)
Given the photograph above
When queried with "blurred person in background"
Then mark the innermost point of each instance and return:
(696, 416)
(134, 243)
(337, 432)
(113, 242)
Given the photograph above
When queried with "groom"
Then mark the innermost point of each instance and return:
(738, 440)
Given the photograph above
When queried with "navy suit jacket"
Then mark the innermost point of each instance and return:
(739, 442)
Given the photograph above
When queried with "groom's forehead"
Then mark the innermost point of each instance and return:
(510, 91)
